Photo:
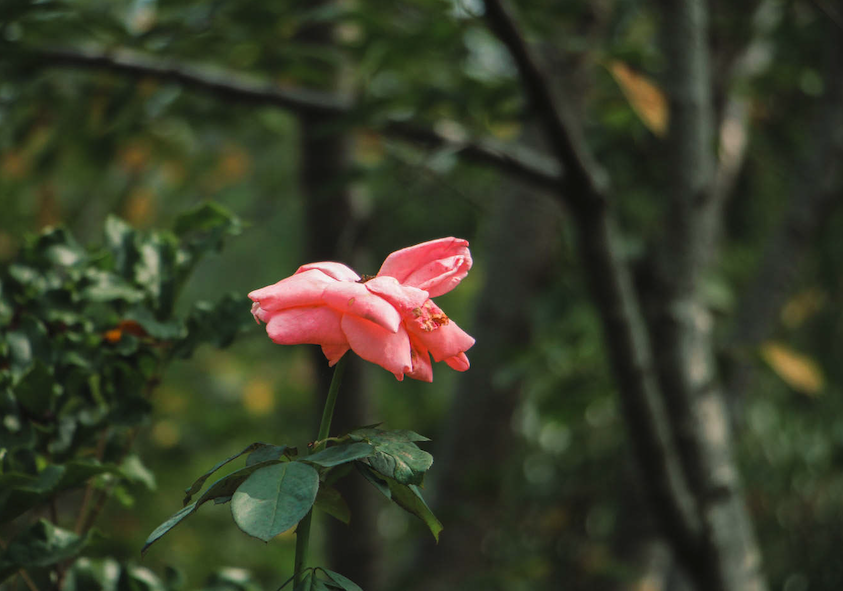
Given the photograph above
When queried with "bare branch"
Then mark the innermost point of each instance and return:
(626, 336)
(628, 346)
(222, 83)
(586, 183)
(519, 161)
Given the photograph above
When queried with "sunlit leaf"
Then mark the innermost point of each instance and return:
(645, 98)
(802, 306)
(799, 371)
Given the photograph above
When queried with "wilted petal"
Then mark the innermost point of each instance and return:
(334, 353)
(402, 297)
(354, 298)
(334, 270)
(259, 313)
(436, 266)
(376, 344)
(303, 289)
(422, 368)
(446, 341)
(436, 332)
(316, 325)
(458, 362)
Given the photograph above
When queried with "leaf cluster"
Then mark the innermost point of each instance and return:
(86, 334)
(277, 487)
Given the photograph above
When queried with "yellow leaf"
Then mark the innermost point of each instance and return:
(802, 306)
(645, 98)
(798, 371)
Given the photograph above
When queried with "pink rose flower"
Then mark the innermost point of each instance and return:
(388, 319)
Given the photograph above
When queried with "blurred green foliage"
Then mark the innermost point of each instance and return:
(77, 146)
(86, 336)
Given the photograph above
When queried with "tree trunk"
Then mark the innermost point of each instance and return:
(468, 475)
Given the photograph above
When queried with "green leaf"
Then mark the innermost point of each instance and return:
(381, 436)
(134, 471)
(306, 583)
(101, 286)
(343, 582)
(168, 330)
(396, 455)
(225, 486)
(169, 524)
(120, 240)
(266, 453)
(217, 324)
(376, 481)
(220, 492)
(231, 579)
(340, 454)
(405, 496)
(409, 498)
(77, 472)
(138, 578)
(197, 485)
(37, 389)
(21, 492)
(207, 218)
(93, 575)
(404, 462)
(155, 270)
(274, 499)
(42, 544)
(28, 343)
(329, 500)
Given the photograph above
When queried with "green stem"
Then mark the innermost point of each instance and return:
(303, 530)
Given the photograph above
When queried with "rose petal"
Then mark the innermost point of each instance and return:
(436, 266)
(458, 362)
(334, 270)
(334, 353)
(354, 298)
(436, 332)
(446, 341)
(303, 289)
(316, 325)
(376, 344)
(402, 297)
(259, 313)
(422, 368)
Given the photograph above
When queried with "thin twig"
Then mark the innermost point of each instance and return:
(22, 572)
(105, 493)
(586, 181)
(89, 488)
(232, 86)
